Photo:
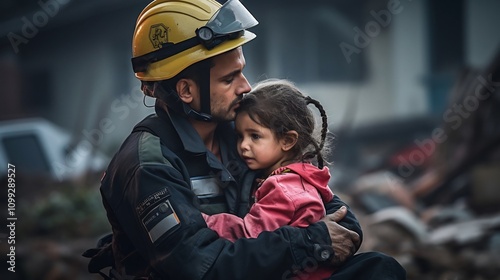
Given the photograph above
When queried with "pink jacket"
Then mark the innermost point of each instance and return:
(292, 195)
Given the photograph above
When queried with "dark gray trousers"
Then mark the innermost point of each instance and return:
(370, 266)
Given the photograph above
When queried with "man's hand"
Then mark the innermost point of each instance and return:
(344, 242)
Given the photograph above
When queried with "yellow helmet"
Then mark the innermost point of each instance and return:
(171, 35)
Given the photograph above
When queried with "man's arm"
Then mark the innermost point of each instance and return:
(279, 202)
(159, 213)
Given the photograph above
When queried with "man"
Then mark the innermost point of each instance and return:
(183, 160)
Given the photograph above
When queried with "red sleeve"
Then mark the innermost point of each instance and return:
(273, 210)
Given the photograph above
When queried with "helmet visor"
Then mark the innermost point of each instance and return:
(231, 17)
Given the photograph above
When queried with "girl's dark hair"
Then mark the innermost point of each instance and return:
(280, 106)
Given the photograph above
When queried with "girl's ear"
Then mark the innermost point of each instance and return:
(186, 88)
(289, 140)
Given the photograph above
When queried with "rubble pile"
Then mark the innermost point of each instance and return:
(442, 220)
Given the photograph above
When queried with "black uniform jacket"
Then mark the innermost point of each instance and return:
(154, 189)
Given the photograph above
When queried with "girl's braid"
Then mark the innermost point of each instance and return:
(324, 129)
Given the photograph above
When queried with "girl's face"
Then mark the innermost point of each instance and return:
(257, 145)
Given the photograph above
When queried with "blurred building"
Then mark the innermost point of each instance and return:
(366, 60)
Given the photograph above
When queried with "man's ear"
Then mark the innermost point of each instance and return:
(186, 89)
(289, 140)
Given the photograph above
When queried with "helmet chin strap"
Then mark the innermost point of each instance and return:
(196, 115)
(204, 114)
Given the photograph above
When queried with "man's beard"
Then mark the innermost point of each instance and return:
(226, 115)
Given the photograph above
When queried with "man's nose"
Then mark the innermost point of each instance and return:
(244, 86)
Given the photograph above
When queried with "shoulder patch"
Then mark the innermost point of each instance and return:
(161, 220)
(157, 215)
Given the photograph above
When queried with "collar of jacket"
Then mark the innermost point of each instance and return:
(192, 142)
(190, 139)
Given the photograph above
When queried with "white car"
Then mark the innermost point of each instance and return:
(36, 146)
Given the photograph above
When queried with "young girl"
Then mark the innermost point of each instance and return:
(275, 131)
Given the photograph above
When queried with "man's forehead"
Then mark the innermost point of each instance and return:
(229, 56)
(228, 63)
